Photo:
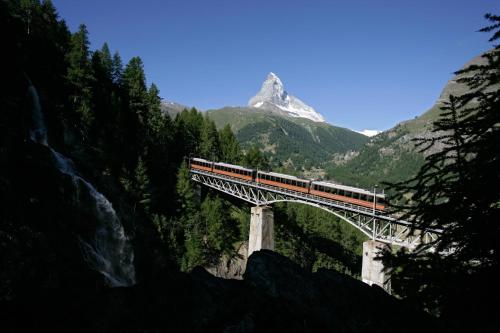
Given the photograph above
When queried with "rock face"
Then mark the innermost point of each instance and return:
(273, 96)
(276, 295)
(231, 268)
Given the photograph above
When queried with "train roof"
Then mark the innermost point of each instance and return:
(200, 159)
(284, 176)
(347, 188)
(227, 165)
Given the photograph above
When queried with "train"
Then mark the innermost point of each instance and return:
(324, 189)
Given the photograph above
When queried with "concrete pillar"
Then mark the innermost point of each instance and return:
(261, 234)
(372, 271)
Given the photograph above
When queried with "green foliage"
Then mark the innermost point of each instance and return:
(185, 192)
(456, 190)
(255, 159)
(209, 141)
(382, 160)
(296, 141)
(230, 148)
(117, 68)
(316, 239)
(138, 186)
(221, 229)
(80, 78)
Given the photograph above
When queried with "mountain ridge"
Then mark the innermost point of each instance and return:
(292, 141)
(391, 156)
(273, 96)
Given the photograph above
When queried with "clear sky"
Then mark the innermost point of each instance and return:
(363, 64)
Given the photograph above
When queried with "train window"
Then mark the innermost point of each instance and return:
(363, 197)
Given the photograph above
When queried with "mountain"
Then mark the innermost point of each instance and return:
(172, 108)
(273, 96)
(292, 141)
(391, 156)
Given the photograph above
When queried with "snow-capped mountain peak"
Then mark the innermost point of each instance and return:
(273, 96)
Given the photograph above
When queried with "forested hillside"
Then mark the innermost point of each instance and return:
(393, 156)
(295, 143)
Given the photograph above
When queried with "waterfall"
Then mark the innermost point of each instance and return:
(38, 131)
(109, 252)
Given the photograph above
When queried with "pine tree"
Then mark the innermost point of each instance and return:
(188, 125)
(221, 231)
(134, 81)
(80, 77)
(137, 186)
(117, 68)
(229, 147)
(106, 61)
(156, 121)
(209, 144)
(457, 190)
(255, 159)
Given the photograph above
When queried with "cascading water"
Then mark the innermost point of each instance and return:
(109, 252)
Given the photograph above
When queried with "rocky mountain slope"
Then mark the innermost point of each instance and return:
(273, 97)
(392, 156)
(172, 108)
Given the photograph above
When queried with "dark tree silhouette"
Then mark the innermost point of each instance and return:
(458, 191)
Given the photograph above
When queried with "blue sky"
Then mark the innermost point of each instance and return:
(363, 64)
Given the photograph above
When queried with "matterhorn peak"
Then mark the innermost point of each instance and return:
(273, 96)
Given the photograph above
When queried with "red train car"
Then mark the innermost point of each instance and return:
(353, 195)
(234, 171)
(283, 181)
(201, 164)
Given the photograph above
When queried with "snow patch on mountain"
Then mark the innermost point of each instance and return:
(369, 133)
(273, 96)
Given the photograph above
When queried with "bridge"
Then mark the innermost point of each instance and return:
(384, 230)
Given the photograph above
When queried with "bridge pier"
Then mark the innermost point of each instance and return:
(372, 271)
(261, 234)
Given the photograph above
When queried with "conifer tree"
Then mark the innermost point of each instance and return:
(229, 147)
(116, 68)
(220, 229)
(185, 192)
(457, 190)
(134, 81)
(106, 61)
(255, 159)
(209, 144)
(156, 121)
(80, 77)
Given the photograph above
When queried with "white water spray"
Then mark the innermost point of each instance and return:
(109, 252)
